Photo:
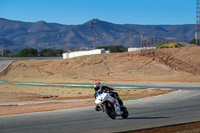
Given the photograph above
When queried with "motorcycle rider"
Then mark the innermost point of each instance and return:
(100, 89)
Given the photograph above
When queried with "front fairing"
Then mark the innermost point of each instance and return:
(102, 97)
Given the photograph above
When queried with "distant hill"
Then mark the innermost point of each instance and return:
(16, 35)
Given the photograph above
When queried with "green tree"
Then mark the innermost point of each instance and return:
(6, 53)
(33, 52)
(59, 52)
(47, 52)
(193, 41)
(50, 52)
(28, 52)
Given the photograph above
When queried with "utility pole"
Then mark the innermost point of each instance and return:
(2, 51)
(93, 26)
(58, 37)
(129, 31)
(141, 44)
(197, 35)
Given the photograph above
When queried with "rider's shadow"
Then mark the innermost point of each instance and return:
(144, 118)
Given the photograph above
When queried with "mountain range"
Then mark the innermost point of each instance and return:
(16, 35)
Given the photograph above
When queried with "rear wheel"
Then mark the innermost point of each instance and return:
(110, 111)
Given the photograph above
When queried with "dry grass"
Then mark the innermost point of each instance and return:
(34, 93)
(11, 94)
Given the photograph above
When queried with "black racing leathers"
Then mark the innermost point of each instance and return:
(111, 92)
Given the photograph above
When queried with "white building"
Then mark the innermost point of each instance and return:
(82, 53)
(138, 48)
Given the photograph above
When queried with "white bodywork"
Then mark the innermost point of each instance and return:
(106, 97)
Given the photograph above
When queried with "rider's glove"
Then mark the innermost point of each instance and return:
(111, 91)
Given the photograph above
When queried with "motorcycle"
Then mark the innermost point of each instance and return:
(111, 106)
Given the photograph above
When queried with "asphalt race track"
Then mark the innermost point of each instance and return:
(4, 64)
(179, 107)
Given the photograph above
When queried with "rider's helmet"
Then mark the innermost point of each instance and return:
(97, 86)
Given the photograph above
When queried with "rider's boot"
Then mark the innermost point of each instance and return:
(97, 108)
(122, 107)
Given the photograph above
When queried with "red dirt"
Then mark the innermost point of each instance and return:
(193, 127)
(31, 108)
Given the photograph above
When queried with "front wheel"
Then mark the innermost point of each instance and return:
(125, 113)
(110, 111)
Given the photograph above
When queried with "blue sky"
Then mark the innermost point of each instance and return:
(115, 11)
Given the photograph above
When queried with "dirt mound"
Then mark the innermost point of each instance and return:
(159, 65)
(182, 59)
